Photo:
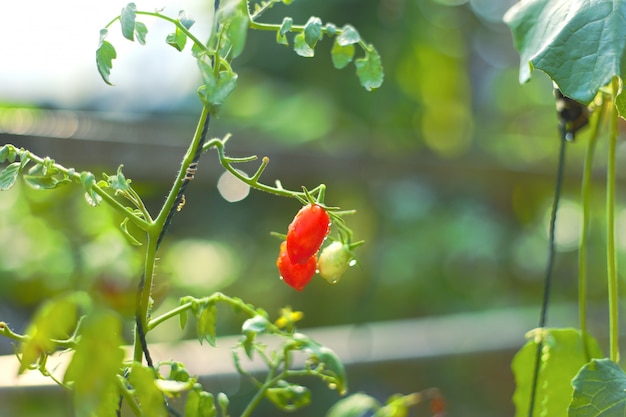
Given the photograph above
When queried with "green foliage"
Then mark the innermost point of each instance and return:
(288, 397)
(96, 365)
(53, 322)
(563, 354)
(599, 390)
(98, 375)
(356, 405)
(578, 43)
(200, 404)
(145, 389)
(105, 54)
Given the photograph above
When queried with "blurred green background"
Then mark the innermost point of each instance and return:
(450, 166)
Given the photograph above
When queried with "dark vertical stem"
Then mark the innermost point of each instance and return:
(543, 317)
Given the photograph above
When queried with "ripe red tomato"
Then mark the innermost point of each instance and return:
(295, 275)
(306, 233)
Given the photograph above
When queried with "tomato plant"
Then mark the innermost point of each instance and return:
(559, 371)
(82, 324)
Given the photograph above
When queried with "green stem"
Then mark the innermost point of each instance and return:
(610, 221)
(144, 296)
(273, 27)
(178, 182)
(253, 181)
(168, 315)
(586, 208)
(128, 396)
(143, 224)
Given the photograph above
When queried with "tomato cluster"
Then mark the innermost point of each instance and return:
(298, 257)
(297, 260)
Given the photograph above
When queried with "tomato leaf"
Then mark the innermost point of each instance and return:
(301, 47)
(580, 44)
(54, 320)
(289, 397)
(140, 32)
(186, 19)
(563, 354)
(8, 153)
(206, 324)
(41, 182)
(215, 90)
(177, 40)
(8, 176)
(237, 33)
(341, 55)
(348, 36)
(105, 54)
(145, 389)
(370, 69)
(599, 390)
(200, 404)
(127, 21)
(95, 365)
(313, 31)
(356, 405)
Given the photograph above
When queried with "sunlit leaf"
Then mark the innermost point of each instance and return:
(313, 31)
(563, 354)
(145, 389)
(288, 397)
(206, 324)
(127, 21)
(186, 19)
(182, 319)
(9, 175)
(356, 405)
(599, 390)
(301, 47)
(200, 404)
(140, 32)
(7, 153)
(223, 402)
(215, 90)
(237, 33)
(96, 364)
(105, 54)
(580, 44)
(250, 329)
(177, 40)
(285, 26)
(42, 182)
(370, 69)
(88, 180)
(331, 365)
(118, 181)
(54, 320)
(342, 55)
(348, 36)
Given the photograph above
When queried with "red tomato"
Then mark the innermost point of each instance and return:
(307, 232)
(295, 275)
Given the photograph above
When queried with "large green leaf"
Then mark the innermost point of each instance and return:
(599, 390)
(563, 354)
(146, 391)
(95, 365)
(54, 320)
(580, 44)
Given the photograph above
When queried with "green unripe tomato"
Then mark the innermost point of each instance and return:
(333, 261)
